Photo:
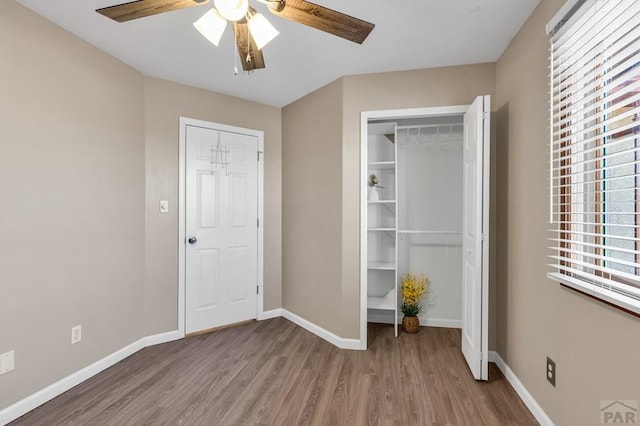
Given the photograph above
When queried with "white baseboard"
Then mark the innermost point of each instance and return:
(441, 322)
(274, 313)
(338, 341)
(157, 339)
(387, 318)
(522, 392)
(35, 400)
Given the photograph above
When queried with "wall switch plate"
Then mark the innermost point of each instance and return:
(76, 334)
(551, 371)
(7, 362)
(164, 206)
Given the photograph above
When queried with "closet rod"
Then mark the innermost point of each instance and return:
(415, 231)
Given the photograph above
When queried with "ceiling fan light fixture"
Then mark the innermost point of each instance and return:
(211, 25)
(261, 30)
(232, 10)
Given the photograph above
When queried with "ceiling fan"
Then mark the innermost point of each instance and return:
(252, 31)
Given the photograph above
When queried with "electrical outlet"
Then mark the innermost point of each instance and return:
(551, 371)
(6, 362)
(76, 334)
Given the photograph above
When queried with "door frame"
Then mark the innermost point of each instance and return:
(391, 114)
(184, 122)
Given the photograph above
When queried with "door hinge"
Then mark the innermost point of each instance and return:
(258, 222)
(259, 152)
(481, 355)
(257, 289)
(485, 115)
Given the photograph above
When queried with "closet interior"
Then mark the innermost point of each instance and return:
(414, 216)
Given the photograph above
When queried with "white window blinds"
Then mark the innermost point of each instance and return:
(595, 149)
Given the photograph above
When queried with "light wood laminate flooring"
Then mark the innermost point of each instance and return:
(276, 373)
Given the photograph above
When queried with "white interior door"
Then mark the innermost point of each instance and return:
(221, 228)
(475, 231)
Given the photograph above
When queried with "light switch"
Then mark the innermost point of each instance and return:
(164, 206)
(6, 362)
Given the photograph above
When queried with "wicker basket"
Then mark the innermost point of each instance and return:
(410, 324)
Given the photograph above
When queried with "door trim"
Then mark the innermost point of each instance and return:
(184, 122)
(365, 116)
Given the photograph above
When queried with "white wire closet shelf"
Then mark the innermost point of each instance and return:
(431, 136)
(428, 231)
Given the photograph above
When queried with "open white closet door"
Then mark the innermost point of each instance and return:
(475, 231)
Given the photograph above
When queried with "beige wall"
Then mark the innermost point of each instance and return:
(595, 347)
(84, 137)
(74, 177)
(165, 103)
(321, 142)
(72, 196)
(398, 90)
(311, 161)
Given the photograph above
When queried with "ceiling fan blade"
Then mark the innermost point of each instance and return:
(141, 8)
(250, 56)
(322, 18)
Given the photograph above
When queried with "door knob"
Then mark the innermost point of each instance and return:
(192, 240)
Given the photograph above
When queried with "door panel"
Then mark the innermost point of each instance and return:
(474, 241)
(238, 258)
(221, 213)
(238, 199)
(208, 206)
(208, 273)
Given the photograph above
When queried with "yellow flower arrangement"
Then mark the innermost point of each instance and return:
(414, 287)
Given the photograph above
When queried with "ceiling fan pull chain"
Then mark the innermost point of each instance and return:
(248, 46)
(235, 56)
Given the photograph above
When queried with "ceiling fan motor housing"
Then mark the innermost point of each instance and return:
(233, 10)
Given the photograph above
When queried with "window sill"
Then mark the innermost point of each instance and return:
(619, 301)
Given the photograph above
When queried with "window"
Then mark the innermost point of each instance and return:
(595, 149)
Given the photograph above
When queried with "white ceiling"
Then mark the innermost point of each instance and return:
(409, 34)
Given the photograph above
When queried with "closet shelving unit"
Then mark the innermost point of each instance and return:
(382, 221)
(412, 223)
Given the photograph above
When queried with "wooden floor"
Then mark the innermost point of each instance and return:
(276, 373)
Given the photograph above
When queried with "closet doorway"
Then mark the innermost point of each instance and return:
(428, 214)
(220, 233)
